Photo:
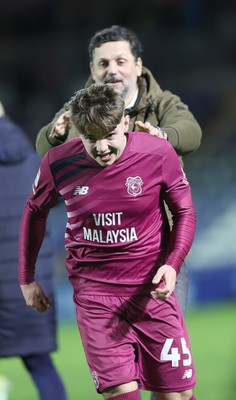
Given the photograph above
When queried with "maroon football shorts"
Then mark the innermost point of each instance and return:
(135, 338)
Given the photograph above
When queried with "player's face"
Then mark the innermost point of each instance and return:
(107, 149)
(114, 64)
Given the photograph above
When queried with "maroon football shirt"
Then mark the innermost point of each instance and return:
(117, 231)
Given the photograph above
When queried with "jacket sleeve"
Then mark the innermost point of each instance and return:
(184, 132)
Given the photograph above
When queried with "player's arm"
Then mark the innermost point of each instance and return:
(181, 238)
(181, 127)
(35, 297)
(167, 275)
(32, 230)
(177, 194)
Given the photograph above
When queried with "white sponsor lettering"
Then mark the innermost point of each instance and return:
(108, 219)
(111, 236)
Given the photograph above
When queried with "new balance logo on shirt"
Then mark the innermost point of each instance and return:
(187, 374)
(81, 190)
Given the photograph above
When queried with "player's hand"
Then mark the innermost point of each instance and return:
(152, 130)
(166, 277)
(35, 297)
(61, 126)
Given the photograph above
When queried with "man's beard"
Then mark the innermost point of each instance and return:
(122, 92)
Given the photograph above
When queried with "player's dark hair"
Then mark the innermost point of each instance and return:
(114, 34)
(96, 111)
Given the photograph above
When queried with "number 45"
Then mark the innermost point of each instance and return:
(172, 354)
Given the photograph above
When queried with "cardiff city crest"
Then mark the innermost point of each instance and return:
(134, 185)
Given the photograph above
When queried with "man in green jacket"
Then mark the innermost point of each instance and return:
(115, 59)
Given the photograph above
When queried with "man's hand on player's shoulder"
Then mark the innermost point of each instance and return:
(152, 130)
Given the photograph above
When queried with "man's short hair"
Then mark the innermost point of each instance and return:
(114, 34)
(96, 111)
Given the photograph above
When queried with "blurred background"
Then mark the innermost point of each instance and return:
(190, 47)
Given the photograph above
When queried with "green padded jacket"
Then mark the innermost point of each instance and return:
(160, 107)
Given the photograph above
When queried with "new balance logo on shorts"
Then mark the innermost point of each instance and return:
(81, 190)
(187, 374)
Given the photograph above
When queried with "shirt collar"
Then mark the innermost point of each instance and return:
(132, 102)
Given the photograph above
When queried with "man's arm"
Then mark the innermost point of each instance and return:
(183, 130)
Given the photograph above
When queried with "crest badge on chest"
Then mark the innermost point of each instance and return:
(134, 185)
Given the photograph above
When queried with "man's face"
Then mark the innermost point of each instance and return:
(107, 149)
(113, 63)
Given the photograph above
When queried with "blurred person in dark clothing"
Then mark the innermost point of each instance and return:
(115, 59)
(23, 333)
